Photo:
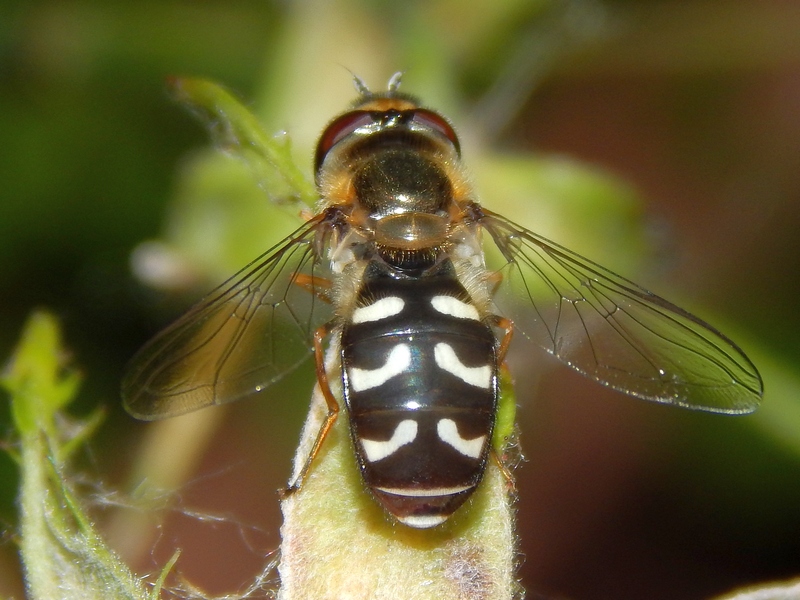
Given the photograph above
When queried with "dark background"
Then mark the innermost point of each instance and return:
(690, 109)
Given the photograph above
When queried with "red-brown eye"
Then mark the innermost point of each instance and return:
(434, 121)
(340, 129)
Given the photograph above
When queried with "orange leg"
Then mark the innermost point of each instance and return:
(333, 408)
(508, 326)
(510, 484)
(494, 280)
(318, 286)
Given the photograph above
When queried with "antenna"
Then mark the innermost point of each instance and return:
(394, 82)
(361, 87)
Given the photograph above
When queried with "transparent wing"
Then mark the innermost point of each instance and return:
(615, 332)
(245, 336)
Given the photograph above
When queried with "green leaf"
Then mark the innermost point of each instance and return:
(63, 555)
(236, 130)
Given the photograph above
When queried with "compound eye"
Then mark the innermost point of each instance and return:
(341, 127)
(438, 123)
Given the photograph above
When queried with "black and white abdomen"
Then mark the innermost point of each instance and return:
(420, 384)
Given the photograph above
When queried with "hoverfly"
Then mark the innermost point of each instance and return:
(391, 268)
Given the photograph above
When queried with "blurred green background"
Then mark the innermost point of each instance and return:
(659, 138)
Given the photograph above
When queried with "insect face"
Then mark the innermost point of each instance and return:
(395, 168)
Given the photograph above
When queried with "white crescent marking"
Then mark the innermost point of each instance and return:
(404, 433)
(382, 309)
(447, 305)
(423, 521)
(447, 360)
(399, 360)
(448, 433)
(425, 493)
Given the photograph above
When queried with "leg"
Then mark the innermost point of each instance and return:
(333, 408)
(508, 326)
(318, 286)
(494, 280)
(504, 376)
(512, 487)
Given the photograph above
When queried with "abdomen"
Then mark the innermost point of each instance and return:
(420, 385)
